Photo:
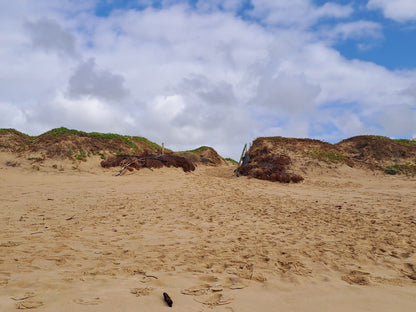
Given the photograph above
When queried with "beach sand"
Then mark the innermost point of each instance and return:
(89, 241)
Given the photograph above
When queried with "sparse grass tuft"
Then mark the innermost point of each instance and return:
(327, 156)
(12, 130)
(198, 149)
(148, 142)
(80, 155)
(390, 170)
(381, 137)
(231, 160)
(406, 168)
(405, 142)
(36, 159)
(109, 136)
(58, 132)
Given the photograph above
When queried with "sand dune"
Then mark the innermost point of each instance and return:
(89, 241)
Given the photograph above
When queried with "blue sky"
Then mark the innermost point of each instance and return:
(219, 73)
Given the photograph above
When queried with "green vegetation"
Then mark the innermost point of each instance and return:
(28, 139)
(405, 142)
(107, 136)
(381, 137)
(80, 155)
(147, 142)
(406, 168)
(101, 155)
(57, 132)
(112, 136)
(390, 170)
(327, 156)
(272, 137)
(231, 160)
(12, 130)
(36, 159)
(198, 149)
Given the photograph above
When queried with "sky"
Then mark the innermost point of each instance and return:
(219, 73)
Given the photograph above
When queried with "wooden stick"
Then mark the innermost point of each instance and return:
(242, 155)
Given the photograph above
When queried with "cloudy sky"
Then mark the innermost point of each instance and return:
(210, 72)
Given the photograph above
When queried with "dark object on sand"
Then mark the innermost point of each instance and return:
(167, 299)
(148, 161)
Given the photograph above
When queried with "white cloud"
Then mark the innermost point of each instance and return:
(12, 116)
(349, 124)
(84, 113)
(190, 77)
(168, 107)
(354, 30)
(226, 5)
(298, 13)
(398, 10)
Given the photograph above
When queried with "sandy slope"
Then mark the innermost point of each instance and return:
(89, 241)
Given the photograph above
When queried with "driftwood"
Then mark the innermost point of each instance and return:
(131, 162)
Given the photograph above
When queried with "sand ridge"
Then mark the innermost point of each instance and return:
(81, 241)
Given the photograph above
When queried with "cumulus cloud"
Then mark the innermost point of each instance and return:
(48, 35)
(298, 13)
(85, 113)
(90, 81)
(226, 5)
(200, 88)
(200, 108)
(190, 75)
(354, 30)
(398, 10)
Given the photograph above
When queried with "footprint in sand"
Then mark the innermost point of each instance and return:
(197, 290)
(25, 301)
(141, 291)
(214, 300)
(89, 301)
(4, 282)
(24, 296)
(234, 283)
(210, 295)
(356, 277)
(409, 271)
(28, 304)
